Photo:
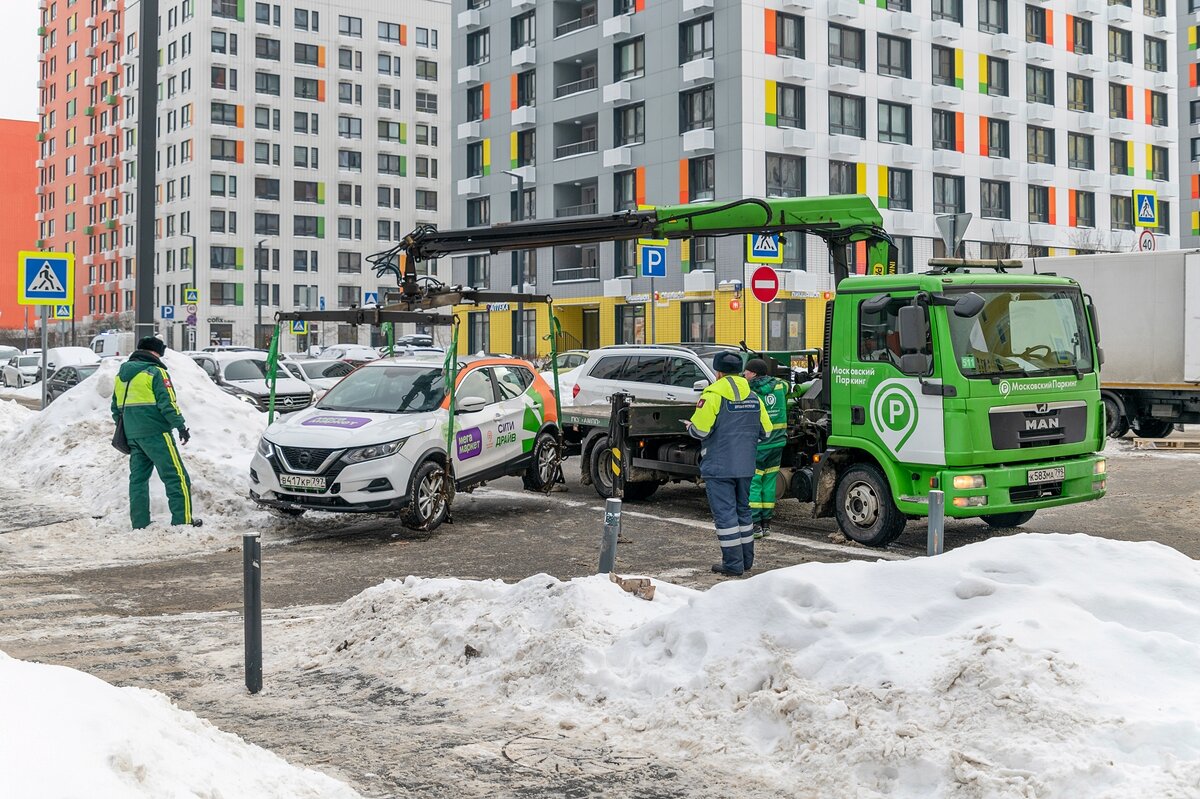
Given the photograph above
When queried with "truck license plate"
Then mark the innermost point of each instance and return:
(1054, 475)
(298, 481)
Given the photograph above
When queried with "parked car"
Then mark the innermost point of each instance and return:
(67, 378)
(58, 357)
(321, 374)
(356, 354)
(656, 372)
(244, 375)
(376, 443)
(8, 352)
(231, 348)
(113, 343)
(21, 370)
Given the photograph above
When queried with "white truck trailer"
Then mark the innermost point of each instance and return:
(1149, 310)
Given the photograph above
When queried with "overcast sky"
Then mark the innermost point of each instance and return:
(18, 53)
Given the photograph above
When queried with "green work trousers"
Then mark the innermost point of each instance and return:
(762, 489)
(158, 453)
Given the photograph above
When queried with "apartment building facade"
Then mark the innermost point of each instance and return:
(18, 207)
(1187, 43)
(79, 171)
(1038, 119)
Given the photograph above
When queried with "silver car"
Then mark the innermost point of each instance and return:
(21, 371)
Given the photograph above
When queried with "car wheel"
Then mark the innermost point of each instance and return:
(1006, 520)
(864, 508)
(4, 380)
(429, 497)
(545, 470)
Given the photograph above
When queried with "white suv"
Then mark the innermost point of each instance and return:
(655, 372)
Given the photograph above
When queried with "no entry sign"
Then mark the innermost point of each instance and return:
(764, 284)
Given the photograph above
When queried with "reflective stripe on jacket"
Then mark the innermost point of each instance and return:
(773, 393)
(729, 419)
(143, 388)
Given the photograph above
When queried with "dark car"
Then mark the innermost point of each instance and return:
(67, 378)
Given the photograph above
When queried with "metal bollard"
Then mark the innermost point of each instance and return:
(252, 608)
(937, 522)
(612, 530)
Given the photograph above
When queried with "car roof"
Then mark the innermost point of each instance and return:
(226, 356)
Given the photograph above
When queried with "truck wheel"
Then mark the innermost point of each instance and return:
(636, 492)
(600, 467)
(1005, 520)
(1115, 423)
(543, 471)
(1153, 428)
(864, 508)
(428, 499)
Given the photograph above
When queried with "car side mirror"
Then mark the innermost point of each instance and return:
(700, 385)
(914, 328)
(469, 404)
(968, 305)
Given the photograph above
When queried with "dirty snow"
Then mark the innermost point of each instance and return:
(68, 734)
(13, 416)
(1021, 666)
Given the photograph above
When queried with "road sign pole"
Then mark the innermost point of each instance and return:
(653, 315)
(45, 347)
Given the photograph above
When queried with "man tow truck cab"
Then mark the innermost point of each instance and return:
(377, 441)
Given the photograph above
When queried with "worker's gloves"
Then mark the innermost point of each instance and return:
(185, 436)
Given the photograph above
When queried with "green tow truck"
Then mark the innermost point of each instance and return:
(965, 379)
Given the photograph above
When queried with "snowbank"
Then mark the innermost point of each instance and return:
(1019, 666)
(68, 734)
(12, 416)
(65, 451)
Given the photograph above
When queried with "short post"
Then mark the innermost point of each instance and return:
(937, 522)
(252, 608)
(612, 530)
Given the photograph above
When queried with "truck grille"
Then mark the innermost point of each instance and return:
(1035, 492)
(1038, 425)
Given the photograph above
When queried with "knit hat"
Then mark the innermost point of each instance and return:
(727, 362)
(759, 366)
(152, 344)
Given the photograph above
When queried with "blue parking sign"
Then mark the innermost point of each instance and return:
(166, 312)
(652, 255)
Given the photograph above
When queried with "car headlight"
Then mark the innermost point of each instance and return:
(374, 451)
(247, 398)
(264, 448)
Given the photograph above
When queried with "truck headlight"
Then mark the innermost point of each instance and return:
(969, 481)
(264, 448)
(969, 502)
(1101, 467)
(374, 451)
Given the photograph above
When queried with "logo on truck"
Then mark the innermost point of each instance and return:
(1045, 423)
(894, 414)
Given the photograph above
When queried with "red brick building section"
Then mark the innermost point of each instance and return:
(18, 204)
(79, 169)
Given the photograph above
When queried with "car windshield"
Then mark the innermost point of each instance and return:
(86, 371)
(29, 360)
(319, 369)
(387, 389)
(248, 369)
(1023, 332)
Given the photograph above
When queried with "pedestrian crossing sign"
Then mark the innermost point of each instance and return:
(763, 248)
(1145, 205)
(191, 296)
(62, 312)
(299, 327)
(45, 278)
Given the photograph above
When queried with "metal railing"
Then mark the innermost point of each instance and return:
(576, 210)
(575, 87)
(578, 273)
(575, 148)
(575, 24)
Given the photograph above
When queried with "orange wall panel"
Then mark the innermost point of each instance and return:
(18, 204)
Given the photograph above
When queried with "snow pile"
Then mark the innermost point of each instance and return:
(1019, 666)
(69, 734)
(66, 449)
(12, 416)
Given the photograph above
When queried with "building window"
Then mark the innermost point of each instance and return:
(267, 48)
(1120, 45)
(1035, 23)
(1164, 218)
(526, 88)
(224, 113)
(523, 30)
(1118, 101)
(1118, 157)
(479, 47)
(948, 194)
(846, 47)
(847, 115)
(1085, 209)
(427, 70)
(899, 190)
(699, 321)
(224, 150)
(993, 16)
(1079, 93)
(785, 325)
(994, 200)
(266, 83)
(307, 54)
(479, 212)
(630, 324)
(478, 327)
(789, 35)
(789, 106)
(1082, 30)
(895, 123)
(785, 175)
(426, 102)
(895, 57)
(948, 9)
(1040, 143)
(392, 164)
(696, 39)
(222, 257)
(1196, 149)
(943, 66)
(475, 159)
(1039, 204)
(349, 127)
(1158, 109)
(696, 109)
(702, 179)
(1121, 212)
(945, 130)
(630, 124)
(625, 191)
(997, 77)
(479, 269)
(350, 26)
(307, 89)
(843, 177)
(1160, 165)
(629, 59)
(1081, 151)
(1156, 54)
(1039, 85)
(266, 188)
(998, 139)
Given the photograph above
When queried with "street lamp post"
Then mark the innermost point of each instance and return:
(258, 298)
(518, 324)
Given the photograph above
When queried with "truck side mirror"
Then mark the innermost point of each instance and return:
(877, 303)
(968, 305)
(916, 363)
(914, 328)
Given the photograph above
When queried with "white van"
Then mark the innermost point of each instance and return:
(112, 343)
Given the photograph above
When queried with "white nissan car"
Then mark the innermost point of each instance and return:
(376, 442)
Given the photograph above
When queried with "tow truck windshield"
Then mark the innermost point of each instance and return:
(1022, 333)
(387, 389)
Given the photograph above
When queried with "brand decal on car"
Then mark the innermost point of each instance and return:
(469, 443)
(506, 433)
(344, 422)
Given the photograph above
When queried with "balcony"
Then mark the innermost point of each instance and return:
(1039, 52)
(1004, 107)
(946, 96)
(844, 78)
(699, 141)
(468, 130)
(1091, 63)
(1163, 81)
(1121, 128)
(576, 199)
(89, 81)
(797, 139)
(947, 159)
(1039, 112)
(1120, 69)
(468, 186)
(1087, 8)
(845, 147)
(946, 31)
(468, 19)
(1006, 168)
(1164, 135)
(697, 70)
(572, 149)
(616, 26)
(692, 6)
(799, 70)
(843, 10)
(616, 92)
(520, 4)
(1040, 173)
(1120, 15)
(570, 17)
(468, 74)
(584, 209)
(1090, 179)
(1092, 122)
(617, 156)
(904, 22)
(575, 87)
(904, 155)
(524, 56)
(576, 262)
(524, 116)
(1005, 43)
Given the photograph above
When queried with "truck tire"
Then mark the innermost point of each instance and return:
(636, 492)
(1115, 423)
(1152, 428)
(428, 504)
(1007, 520)
(864, 508)
(600, 468)
(543, 470)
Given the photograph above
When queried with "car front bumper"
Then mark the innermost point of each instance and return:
(377, 486)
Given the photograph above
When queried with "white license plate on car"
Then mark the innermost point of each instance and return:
(299, 481)
(1053, 475)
